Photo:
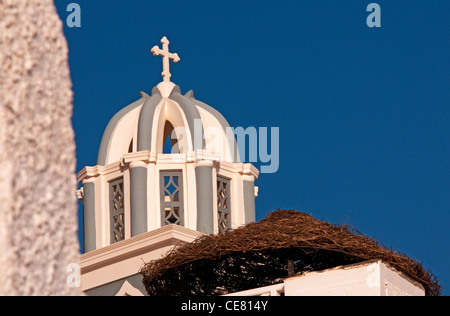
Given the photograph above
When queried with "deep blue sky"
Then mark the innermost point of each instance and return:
(363, 113)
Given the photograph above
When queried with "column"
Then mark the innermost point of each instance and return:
(205, 198)
(138, 197)
(249, 198)
(90, 235)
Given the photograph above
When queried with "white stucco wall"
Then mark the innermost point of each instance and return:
(370, 278)
(38, 211)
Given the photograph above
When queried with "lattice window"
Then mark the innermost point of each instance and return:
(117, 210)
(223, 204)
(171, 184)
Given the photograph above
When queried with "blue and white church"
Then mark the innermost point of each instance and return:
(168, 171)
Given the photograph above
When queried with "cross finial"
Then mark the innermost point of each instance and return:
(166, 57)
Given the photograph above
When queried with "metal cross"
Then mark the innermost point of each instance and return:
(166, 57)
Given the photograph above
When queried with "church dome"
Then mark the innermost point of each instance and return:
(166, 159)
(147, 123)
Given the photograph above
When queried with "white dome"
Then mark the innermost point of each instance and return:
(146, 123)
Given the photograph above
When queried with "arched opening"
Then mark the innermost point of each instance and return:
(170, 145)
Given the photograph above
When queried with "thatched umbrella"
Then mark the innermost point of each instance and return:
(258, 254)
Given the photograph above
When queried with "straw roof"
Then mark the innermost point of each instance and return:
(257, 255)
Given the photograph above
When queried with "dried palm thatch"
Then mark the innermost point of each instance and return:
(257, 255)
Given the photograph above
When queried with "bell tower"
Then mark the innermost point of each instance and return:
(168, 171)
